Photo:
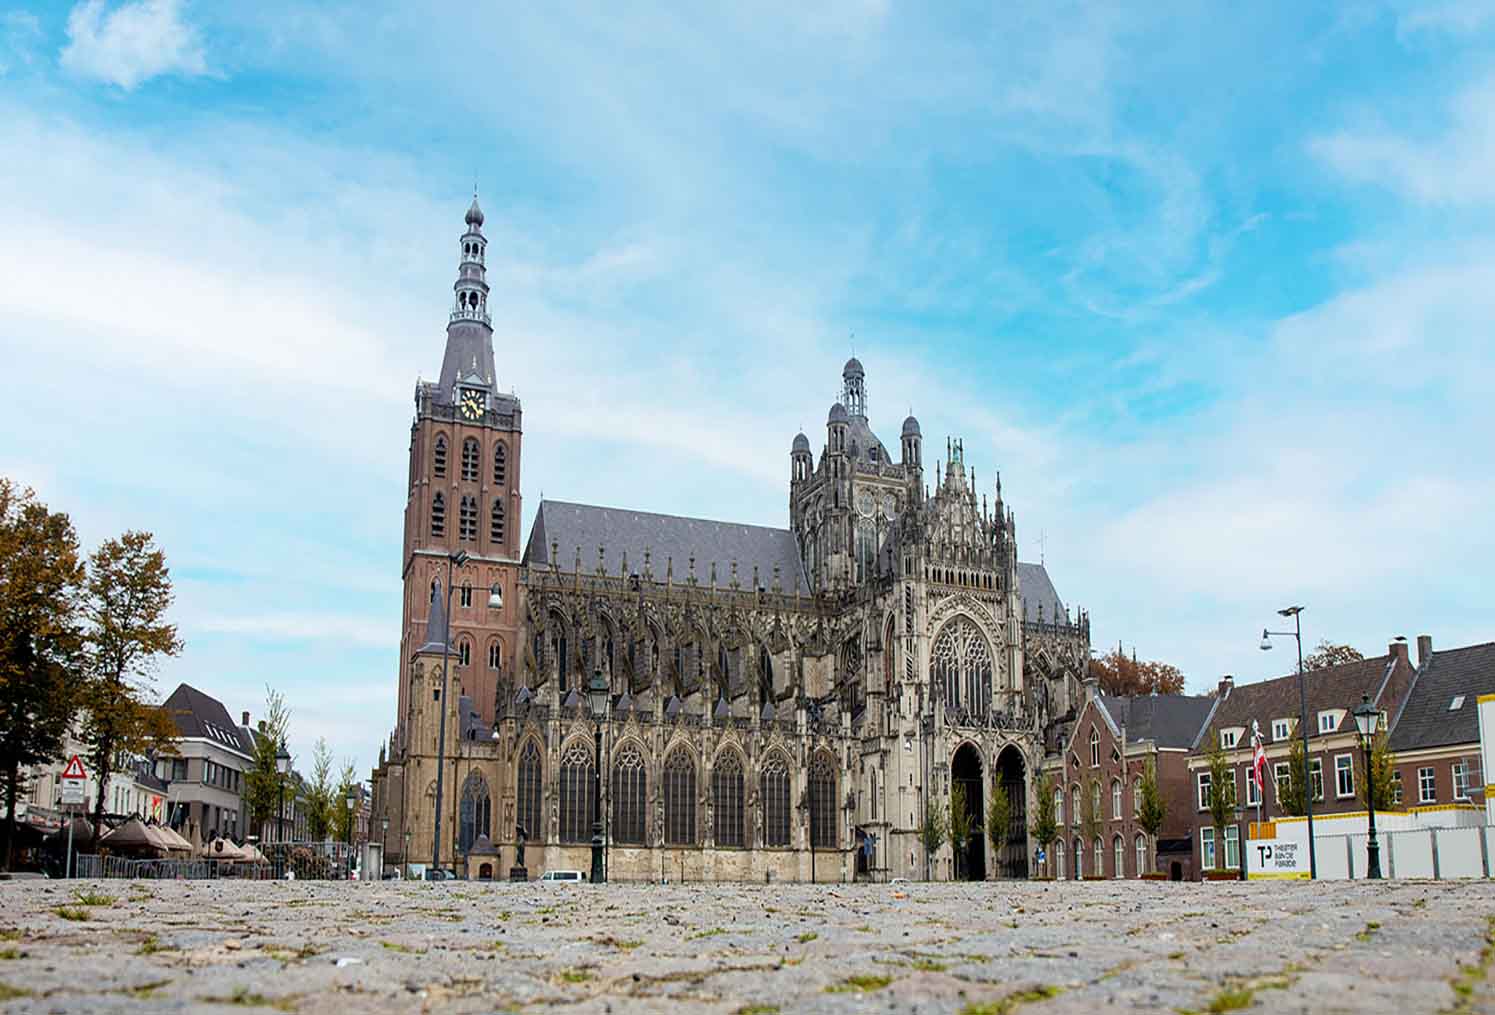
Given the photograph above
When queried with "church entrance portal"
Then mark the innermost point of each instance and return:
(1012, 860)
(965, 772)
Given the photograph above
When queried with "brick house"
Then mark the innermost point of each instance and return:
(1273, 705)
(1097, 774)
(1435, 733)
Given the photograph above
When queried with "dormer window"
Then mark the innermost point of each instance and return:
(1227, 738)
(1457, 703)
(1328, 722)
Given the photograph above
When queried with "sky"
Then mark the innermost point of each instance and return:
(1210, 285)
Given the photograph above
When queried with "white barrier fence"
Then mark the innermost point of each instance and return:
(1445, 854)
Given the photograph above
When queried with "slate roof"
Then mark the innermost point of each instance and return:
(203, 716)
(1035, 587)
(666, 537)
(1170, 720)
(1426, 719)
(1334, 687)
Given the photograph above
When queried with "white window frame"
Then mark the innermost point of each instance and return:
(1118, 848)
(1396, 787)
(1202, 789)
(1331, 725)
(1098, 849)
(1094, 747)
(1233, 847)
(1253, 792)
(1344, 769)
(1140, 843)
(1227, 739)
(1207, 848)
(1282, 774)
(1137, 796)
(1316, 778)
(1116, 792)
(1282, 729)
(1059, 861)
(1460, 772)
(1427, 785)
(1074, 804)
(1059, 807)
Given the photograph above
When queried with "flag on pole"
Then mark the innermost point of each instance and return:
(1258, 757)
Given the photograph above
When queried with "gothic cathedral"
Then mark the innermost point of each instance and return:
(780, 703)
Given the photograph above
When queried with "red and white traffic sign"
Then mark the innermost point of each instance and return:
(74, 769)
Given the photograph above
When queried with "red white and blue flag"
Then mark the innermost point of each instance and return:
(1258, 757)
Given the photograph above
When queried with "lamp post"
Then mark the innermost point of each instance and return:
(352, 802)
(1266, 646)
(383, 842)
(405, 856)
(597, 695)
(1367, 718)
(282, 768)
(458, 559)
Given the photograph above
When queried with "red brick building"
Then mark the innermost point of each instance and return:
(1097, 779)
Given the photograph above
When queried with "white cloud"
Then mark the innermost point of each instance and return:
(1459, 17)
(355, 630)
(132, 43)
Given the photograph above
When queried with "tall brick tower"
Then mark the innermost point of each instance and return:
(464, 496)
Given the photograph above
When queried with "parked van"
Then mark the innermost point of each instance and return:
(562, 876)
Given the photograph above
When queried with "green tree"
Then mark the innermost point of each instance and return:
(1221, 795)
(1090, 814)
(962, 826)
(342, 814)
(1328, 654)
(1382, 764)
(41, 575)
(999, 825)
(933, 834)
(127, 595)
(1152, 809)
(1045, 824)
(263, 783)
(1291, 794)
(319, 793)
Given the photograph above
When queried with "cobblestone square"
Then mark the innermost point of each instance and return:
(995, 947)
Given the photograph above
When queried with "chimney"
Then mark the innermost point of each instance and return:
(245, 720)
(1223, 689)
(1424, 650)
(1398, 648)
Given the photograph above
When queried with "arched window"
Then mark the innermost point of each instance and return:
(1094, 748)
(1095, 798)
(464, 652)
(963, 666)
(496, 521)
(495, 655)
(1059, 870)
(1118, 857)
(467, 519)
(1116, 800)
(775, 788)
(1141, 854)
(1079, 859)
(559, 651)
(726, 794)
(576, 794)
(476, 812)
(528, 813)
(1058, 806)
(1074, 804)
(438, 516)
(438, 456)
(823, 803)
(765, 675)
(470, 455)
(1100, 859)
(630, 801)
(1137, 797)
(500, 463)
(680, 799)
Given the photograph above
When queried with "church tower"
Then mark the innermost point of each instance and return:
(463, 496)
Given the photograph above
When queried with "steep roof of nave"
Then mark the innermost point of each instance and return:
(667, 538)
(1038, 589)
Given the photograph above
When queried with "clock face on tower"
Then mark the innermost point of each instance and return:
(472, 404)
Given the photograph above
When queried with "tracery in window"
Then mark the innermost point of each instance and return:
(576, 793)
(680, 799)
(630, 799)
(823, 803)
(726, 794)
(963, 666)
(528, 812)
(476, 812)
(775, 787)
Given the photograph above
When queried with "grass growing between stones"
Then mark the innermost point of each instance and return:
(1010, 1003)
(92, 898)
(576, 975)
(1463, 984)
(71, 913)
(1231, 999)
(9, 993)
(807, 937)
(865, 983)
(758, 1009)
(246, 998)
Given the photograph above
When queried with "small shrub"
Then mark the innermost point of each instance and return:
(71, 913)
(862, 984)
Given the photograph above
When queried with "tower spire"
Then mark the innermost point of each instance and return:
(468, 364)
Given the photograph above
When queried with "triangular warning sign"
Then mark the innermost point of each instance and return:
(74, 769)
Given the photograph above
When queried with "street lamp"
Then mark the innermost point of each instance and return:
(1266, 646)
(458, 559)
(1367, 718)
(352, 802)
(282, 768)
(597, 695)
(383, 842)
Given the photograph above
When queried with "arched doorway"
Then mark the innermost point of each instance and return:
(1011, 774)
(965, 772)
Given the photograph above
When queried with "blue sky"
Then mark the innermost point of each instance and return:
(1211, 287)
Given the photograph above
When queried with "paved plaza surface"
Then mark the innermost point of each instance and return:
(115, 946)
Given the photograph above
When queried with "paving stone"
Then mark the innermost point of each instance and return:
(1401, 947)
